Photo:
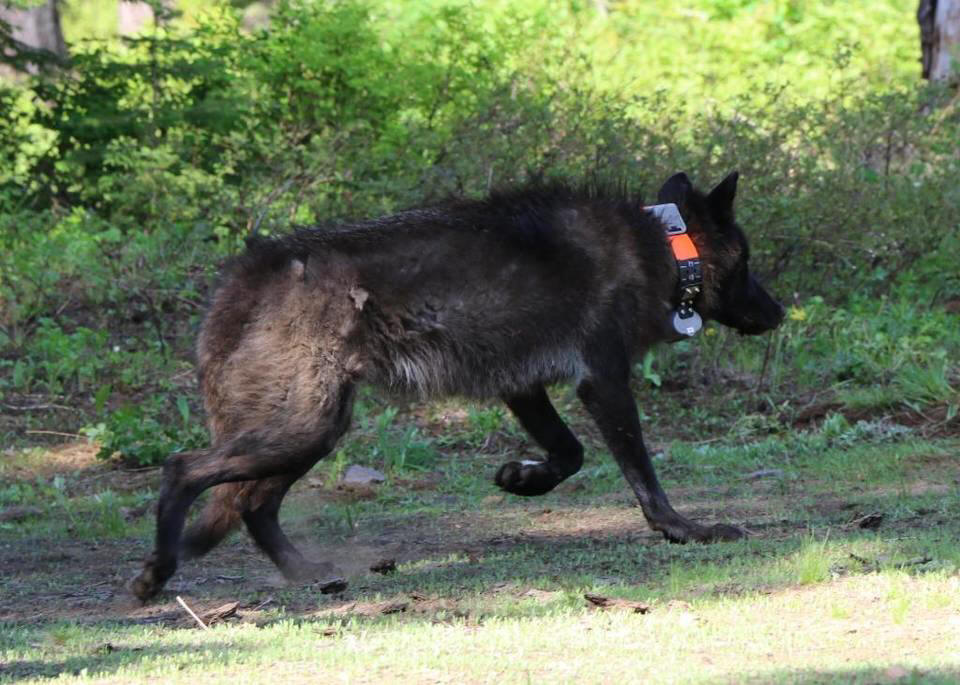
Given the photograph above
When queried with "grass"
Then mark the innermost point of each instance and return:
(491, 588)
(791, 636)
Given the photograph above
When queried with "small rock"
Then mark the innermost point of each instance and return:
(333, 587)
(870, 521)
(764, 473)
(362, 475)
(384, 566)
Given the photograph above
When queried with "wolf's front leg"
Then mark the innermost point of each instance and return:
(564, 452)
(608, 399)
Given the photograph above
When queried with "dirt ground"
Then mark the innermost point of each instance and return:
(86, 580)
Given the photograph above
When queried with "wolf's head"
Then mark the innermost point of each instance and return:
(731, 295)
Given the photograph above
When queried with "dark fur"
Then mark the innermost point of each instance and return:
(493, 298)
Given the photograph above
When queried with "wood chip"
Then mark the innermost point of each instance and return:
(617, 603)
(221, 613)
(369, 609)
(393, 607)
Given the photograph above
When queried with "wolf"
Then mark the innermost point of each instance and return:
(492, 298)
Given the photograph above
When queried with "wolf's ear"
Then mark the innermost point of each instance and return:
(721, 197)
(675, 190)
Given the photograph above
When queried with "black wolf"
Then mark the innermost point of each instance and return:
(497, 297)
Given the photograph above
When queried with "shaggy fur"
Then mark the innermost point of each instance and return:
(492, 298)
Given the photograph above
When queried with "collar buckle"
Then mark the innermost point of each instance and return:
(686, 321)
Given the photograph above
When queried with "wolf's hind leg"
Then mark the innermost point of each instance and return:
(262, 505)
(185, 476)
(217, 520)
(564, 452)
(262, 521)
(285, 455)
(257, 504)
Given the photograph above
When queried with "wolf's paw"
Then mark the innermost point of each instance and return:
(527, 478)
(719, 532)
(150, 580)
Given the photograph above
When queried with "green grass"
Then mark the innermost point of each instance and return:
(782, 637)
(492, 588)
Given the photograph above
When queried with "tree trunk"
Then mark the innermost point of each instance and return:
(940, 39)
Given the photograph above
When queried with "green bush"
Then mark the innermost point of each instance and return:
(141, 436)
(135, 171)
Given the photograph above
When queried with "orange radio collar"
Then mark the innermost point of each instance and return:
(686, 321)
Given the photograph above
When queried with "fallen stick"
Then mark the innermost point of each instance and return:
(60, 433)
(190, 611)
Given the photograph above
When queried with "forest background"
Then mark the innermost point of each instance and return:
(132, 172)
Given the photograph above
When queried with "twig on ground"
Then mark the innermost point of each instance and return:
(766, 358)
(262, 604)
(187, 301)
(918, 561)
(190, 611)
(38, 407)
(65, 435)
(616, 603)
